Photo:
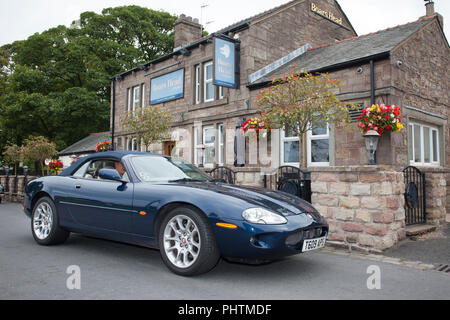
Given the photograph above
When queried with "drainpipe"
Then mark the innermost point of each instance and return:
(372, 83)
(113, 100)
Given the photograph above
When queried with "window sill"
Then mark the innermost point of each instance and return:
(209, 104)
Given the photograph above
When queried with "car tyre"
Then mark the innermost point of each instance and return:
(187, 243)
(45, 224)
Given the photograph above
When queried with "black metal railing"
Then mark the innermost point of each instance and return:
(415, 196)
(223, 174)
(291, 180)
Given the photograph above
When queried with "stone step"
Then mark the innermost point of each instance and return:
(419, 229)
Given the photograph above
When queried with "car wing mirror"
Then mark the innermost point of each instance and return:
(110, 174)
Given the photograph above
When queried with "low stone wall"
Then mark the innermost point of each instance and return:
(364, 206)
(14, 187)
(436, 195)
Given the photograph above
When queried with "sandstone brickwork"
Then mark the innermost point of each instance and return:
(364, 206)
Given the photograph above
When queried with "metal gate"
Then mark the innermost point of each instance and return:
(415, 205)
(291, 180)
(223, 174)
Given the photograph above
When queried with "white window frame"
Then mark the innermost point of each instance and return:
(207, 81)
(134, 144)
(310, 138)
(221, 96)
(136, 97)
(129, 100)
(221, 143)
(196, 146)
(143, 96)
(206, 145)
(422, 145)
(197, 84)
(284, 139)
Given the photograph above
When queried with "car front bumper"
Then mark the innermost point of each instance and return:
(267, 242)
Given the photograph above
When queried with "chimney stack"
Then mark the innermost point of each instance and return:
(429, 5)
(187, 30)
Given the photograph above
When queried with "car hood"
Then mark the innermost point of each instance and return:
(277, 201)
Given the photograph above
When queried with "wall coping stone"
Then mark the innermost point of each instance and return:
(338, 169)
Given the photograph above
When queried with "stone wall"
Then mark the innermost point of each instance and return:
(14, 187)
(364, 206)
(436, 196)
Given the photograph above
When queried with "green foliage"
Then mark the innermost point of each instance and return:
(37, 149)
(301, 101)
(57, 83)
(12, 156)
(149, 125)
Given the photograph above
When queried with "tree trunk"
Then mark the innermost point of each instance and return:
(302, 154)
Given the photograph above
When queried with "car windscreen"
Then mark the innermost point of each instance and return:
(164, 169)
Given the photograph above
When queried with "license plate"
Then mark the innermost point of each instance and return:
(313, 244)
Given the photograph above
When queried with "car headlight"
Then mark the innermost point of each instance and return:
(262, 216)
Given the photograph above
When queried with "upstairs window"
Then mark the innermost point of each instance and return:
(136, 97)
(197, 85)
(208, 82)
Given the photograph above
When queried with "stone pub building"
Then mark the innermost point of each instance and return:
(405, 65)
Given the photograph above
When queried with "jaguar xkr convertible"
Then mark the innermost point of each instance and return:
(165, 203)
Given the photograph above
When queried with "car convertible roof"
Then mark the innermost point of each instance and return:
(118, 155)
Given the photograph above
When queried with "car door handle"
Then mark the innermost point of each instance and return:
(77, 186)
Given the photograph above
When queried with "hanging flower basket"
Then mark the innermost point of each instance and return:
(55, 166)
(252, 128)
(103, 146)
(380, 118)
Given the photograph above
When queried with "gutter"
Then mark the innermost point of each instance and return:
(334, 67)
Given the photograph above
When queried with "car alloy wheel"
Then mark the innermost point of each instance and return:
(182, 241)
(43, 221)
(187, 243)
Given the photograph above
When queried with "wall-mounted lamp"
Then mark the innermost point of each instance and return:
(359, 70)
(372, 138)
(398, 63)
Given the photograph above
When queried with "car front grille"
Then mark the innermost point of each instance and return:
(297, 238)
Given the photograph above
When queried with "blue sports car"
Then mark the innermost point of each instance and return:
(165, 203)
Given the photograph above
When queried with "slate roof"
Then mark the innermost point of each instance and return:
(332, 55)
(87, 145)
(231, 28)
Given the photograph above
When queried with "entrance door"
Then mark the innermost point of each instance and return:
(168, 147)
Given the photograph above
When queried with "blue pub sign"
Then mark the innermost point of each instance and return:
(167, 87)
(224, 63)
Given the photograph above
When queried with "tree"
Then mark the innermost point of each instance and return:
(12, 156)
(58, 81)
(4, 70)
(301, 101)
(38, 149)
(149, 125)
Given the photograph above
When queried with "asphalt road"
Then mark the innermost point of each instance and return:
(111, 270)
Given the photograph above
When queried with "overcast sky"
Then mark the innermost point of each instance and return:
(21, 18)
